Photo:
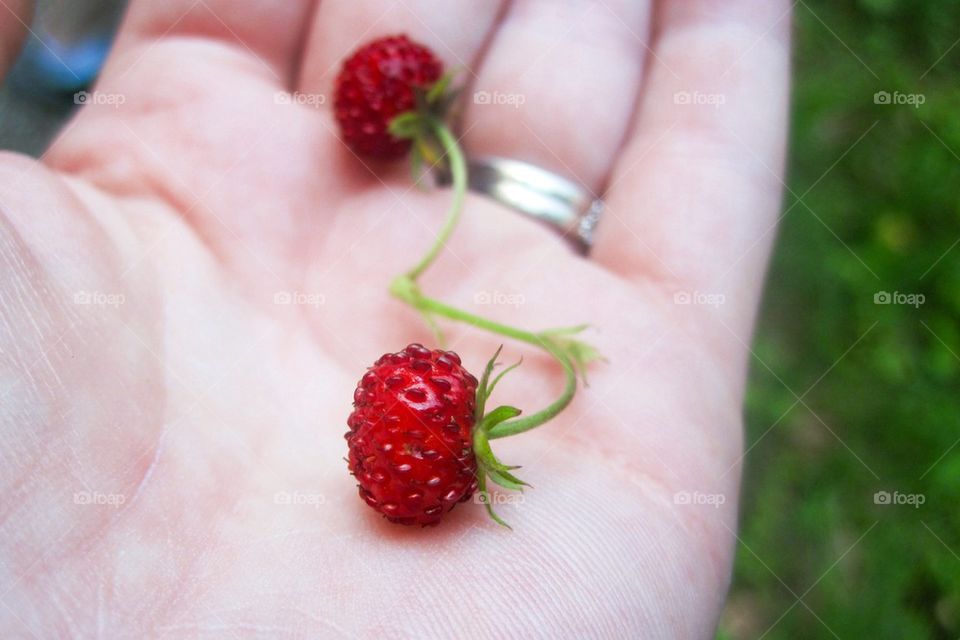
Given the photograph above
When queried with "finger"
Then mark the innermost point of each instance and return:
(261, 36)
(198, 69)
(559, 85)
(185, 112)
(455, 30)
(693, 199)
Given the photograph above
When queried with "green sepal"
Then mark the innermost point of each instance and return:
(440, 99)
(579, 353)
(439, 87)
(488, 503)
(408, 124)
(485, 455)
(486, 386)
(503, 481)
(482, 393)
(496, 471)
(507, 480)
(498, 415)
(481, 448)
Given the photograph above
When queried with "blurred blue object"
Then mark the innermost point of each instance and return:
(66, 48)
(47, 66)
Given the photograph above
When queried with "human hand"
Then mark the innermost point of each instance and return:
(194, 279)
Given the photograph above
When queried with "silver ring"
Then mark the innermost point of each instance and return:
(540, 194)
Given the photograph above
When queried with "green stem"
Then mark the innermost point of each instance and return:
(458, 169)
(405, 288)
(408, 291)
(552, 410)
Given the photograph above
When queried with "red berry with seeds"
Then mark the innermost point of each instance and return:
(378, 83)
(410, 435)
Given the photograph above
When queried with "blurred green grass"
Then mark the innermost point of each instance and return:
(848, 397)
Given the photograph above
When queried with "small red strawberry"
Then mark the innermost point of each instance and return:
(410, 435)
(376, 84)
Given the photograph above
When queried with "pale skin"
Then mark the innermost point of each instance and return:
(181, 394)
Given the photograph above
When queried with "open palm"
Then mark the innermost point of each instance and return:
(194, 277)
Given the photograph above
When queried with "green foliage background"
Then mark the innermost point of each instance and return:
(879, 407)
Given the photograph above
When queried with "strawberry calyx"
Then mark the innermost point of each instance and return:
(433, 104)
(488, 465)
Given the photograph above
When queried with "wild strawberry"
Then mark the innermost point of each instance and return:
(376, 84)
(420, 433)
(410, 435)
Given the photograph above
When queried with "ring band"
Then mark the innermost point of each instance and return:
(540, 194)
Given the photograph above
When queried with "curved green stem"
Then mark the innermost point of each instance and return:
(408, 291)
(519, 425)
(405, 288)
(458, 169)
